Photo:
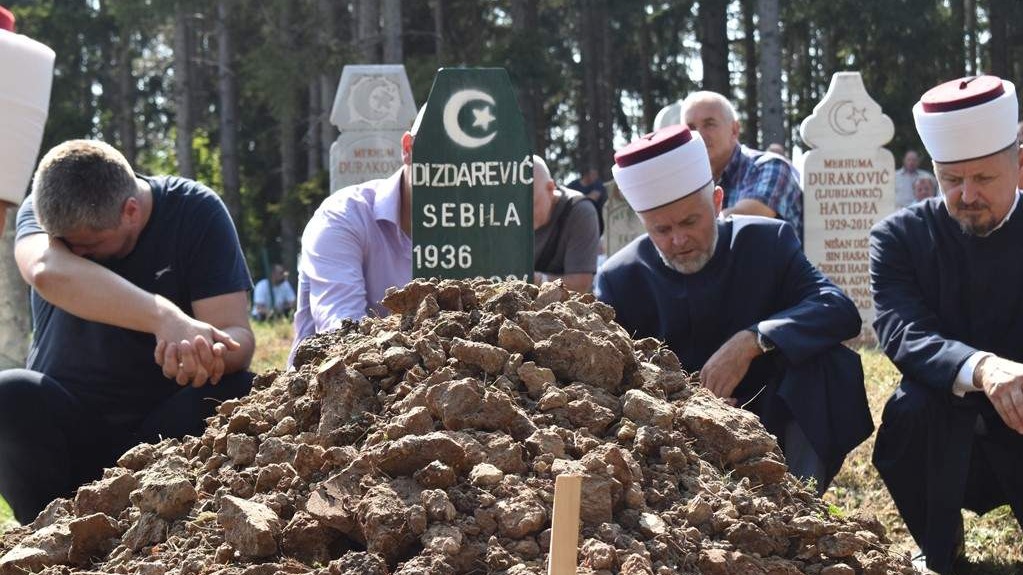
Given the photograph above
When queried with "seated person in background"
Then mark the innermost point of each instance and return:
(924, 188)
(139, 299)
(948, 288)
(356, 245)
(567, 237)
(736, 299)
(755, 183)
(278, 300)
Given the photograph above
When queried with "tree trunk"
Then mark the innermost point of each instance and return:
(713, 35)
(368, 40)
(184, 120)
(524, 22)
(998, 21)
(312, 135)
(970, 18)
(438, 30)
(289, 158)
(650, 108)
(328, 81)
(228, 103)
(392, 32)
(126, 133)
(588, 109)
(751, 128)
(772, 114)
(607, 93)
(14, 306)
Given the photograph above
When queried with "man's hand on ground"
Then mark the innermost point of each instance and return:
(1002, 381)
(729, 364)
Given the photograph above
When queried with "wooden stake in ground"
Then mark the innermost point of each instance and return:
(565, 525)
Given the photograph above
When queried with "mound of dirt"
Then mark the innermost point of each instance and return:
(428, 442)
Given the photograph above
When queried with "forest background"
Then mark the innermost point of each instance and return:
(237, 93)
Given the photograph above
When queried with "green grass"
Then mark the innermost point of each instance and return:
(273, 344)
(993, 542)
(6, 516)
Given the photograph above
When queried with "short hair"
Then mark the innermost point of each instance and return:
(82, 183)
(707, 96)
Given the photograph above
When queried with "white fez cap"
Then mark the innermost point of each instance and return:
(967, 119)
(26, 77)
(662, 167)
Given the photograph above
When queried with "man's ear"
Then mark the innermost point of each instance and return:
(735, 130)
(130, 210)
(719, 198)
(406, 148)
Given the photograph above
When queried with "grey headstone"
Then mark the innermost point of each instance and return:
(848, 184)
(376, 98)
(358, 157)
(621, 224)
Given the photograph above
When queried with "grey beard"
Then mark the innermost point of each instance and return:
(695, 266)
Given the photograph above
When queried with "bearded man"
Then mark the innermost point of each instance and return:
(948, 287)
(736, 299)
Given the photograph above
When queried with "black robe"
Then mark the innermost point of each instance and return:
(942, 295)
(758, 274)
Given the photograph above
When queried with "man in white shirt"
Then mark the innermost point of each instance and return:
(278, 300)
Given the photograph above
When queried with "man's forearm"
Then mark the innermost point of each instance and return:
(88, 290)
(241, 358)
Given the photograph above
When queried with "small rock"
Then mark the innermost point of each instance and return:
(251, 528)
(645, 409)
(485, 475)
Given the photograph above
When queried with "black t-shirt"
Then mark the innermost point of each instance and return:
(188, 251)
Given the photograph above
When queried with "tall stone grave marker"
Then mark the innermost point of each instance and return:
(373, 107)
(621, 223)
(848, 186)
(472, 175)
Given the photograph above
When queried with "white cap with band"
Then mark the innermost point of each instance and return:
(662, 167)
(967, 119)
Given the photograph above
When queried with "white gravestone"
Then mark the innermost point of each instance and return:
(848, 184)
(373, 108)
(621, 224)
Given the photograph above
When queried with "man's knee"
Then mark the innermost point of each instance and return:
(912, 404)
(22, 394)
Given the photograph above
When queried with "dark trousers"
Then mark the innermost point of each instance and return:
(51, 442)
(938, 454)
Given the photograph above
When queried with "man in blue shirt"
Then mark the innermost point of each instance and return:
(140, 313)
(755, 183)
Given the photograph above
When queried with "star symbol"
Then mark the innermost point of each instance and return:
(483, 117)
(857, 116)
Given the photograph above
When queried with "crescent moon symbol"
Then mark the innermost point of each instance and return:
(835, 121)
(453, 107)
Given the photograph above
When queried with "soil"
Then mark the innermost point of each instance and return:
(428, 441)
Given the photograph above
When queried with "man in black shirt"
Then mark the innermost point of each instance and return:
(139, 305)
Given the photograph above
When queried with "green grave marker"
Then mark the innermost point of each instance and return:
(472, 176)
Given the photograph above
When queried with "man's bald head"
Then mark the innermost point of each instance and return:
(543, 192)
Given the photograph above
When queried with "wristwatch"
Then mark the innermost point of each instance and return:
(765, 344)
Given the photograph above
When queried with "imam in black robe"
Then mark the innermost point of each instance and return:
(942, 295)
(757, 275)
